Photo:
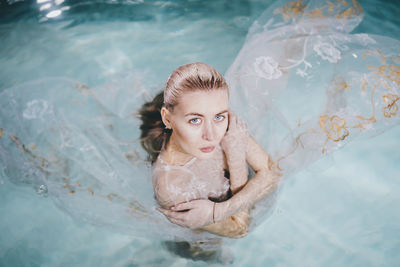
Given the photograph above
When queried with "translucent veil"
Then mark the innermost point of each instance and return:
(304, 84)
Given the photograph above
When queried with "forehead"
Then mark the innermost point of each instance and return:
(203, 102)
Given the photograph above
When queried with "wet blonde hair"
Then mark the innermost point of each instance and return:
(191, 77)
(187, 78)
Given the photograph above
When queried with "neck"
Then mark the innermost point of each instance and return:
(175, 155)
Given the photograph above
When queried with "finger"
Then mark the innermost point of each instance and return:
(229, 120)
(243, 124)
(170, 214)
(182, 206)
(171, 217)
(232, 120)
(239, 122)
(176, 215)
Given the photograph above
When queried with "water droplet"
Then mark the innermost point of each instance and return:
(42, 190)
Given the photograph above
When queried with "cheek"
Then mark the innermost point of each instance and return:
(188, 135)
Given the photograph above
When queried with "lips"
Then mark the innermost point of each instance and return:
(207, 149)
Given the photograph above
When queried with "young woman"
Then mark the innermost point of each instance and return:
(200, 150)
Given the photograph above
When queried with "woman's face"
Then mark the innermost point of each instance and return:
(199, 122)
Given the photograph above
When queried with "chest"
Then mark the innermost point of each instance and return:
(201, 179)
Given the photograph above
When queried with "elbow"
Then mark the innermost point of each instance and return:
(272, 181)
(242, 222)
(272, 174)
(242, 233)
(267, 183)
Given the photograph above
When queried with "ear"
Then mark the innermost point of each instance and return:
(166, 117)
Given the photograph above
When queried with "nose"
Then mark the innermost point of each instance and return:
(209, 131)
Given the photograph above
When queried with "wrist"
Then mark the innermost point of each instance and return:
(219, 211)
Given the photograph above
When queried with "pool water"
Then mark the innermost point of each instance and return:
(341, 211)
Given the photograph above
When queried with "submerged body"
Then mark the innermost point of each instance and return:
(198, 179)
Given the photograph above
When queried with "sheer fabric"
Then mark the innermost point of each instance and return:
(196, 179)
(306, 86)
(303, 83)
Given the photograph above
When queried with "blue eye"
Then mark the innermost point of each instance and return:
(219, 117)
(195, 121)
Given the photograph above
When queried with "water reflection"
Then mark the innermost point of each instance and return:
(128, 10)
(45, 5)
(54, 13)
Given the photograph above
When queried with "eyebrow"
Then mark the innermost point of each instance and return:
(200, 115)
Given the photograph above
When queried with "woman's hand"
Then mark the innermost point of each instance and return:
(194, 214)
(236, 138)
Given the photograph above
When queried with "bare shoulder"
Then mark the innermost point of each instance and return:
(256, 156)
(171, 185)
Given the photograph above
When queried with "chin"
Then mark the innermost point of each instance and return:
(202, 155)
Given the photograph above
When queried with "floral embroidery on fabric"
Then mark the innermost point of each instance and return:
(334, 127)
(35, 109)
(327, 52)
(391, 108)
(267, 68)
(292, 9)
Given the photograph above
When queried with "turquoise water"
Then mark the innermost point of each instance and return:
(339, 212)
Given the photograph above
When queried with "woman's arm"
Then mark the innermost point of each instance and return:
(234, 145)
(235, 226)
(191, 214)
(235, 150)
(171, 188)
(264, 182)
